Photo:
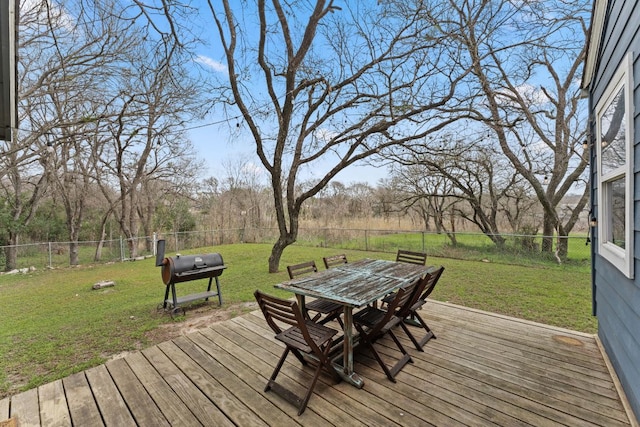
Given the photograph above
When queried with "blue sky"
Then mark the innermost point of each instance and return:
(213, 141)
(216, 147)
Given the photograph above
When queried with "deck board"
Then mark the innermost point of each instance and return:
(481, 370)
(26, 405)
(4, 408)
(110, 402)
(143, 408)
(172, 407)
(82, 406)
(53, 408)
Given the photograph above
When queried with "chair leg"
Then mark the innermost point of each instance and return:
(276, 371)
(303, 403)
(411, 337)
(337, 317)
(332, 316)
(429, 334)
(406, 358)
(323, 362)
(381, 362)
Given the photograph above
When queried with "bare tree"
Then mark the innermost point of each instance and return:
(174, 183)
(156, 96)
(421, 188)
(103, 99)
(340, 83)
(86, 42)
(474, 174)
(526, 59)
(61, 62)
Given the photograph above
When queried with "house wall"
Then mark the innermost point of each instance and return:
(617, 298)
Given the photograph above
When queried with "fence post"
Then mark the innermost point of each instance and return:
(423, 243)
(366, 239)
(121, 249)
(50, 252)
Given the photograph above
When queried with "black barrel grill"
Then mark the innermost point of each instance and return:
(186, 268)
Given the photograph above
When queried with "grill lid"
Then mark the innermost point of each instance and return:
(182, 268)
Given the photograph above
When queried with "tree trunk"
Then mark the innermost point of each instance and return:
(98, 255)
(74, 253)
(563, 247)
(103, 235)
(132, 245)
(74, 222)
(276, 253)
(11, 252)
(498, 240)
(548, 230)
(452, 234)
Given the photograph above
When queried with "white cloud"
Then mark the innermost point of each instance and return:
(54, 12)
(253, 169)
(216, 66)
(534, 95)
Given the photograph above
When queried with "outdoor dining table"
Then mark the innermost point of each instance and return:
(354, 285)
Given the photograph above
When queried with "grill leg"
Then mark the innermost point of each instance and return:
(218, 290)
(173, 294)
(209, 288)
(166, 295)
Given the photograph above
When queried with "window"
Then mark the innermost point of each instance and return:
(614, 139)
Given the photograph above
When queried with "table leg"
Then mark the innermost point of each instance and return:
(347, 373)
(301, 305)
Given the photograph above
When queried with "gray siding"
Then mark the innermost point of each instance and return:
(616, 298)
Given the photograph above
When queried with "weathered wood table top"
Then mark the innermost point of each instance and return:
(358, 283)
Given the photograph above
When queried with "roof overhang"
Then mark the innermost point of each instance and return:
(594, 40)
(8, 67)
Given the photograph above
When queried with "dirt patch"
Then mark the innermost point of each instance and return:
(197, 317)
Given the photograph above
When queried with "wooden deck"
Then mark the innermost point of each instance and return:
(482, 370)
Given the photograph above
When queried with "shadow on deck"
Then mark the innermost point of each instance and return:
(483, 369)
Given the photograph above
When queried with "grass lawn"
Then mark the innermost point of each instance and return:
(54, 324)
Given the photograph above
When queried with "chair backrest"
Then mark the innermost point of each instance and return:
(404, 307)
(431, 280)
(411, 257)
(285, 311)
(277, 309)
(332, 261)
(403, 297)
(298, 270)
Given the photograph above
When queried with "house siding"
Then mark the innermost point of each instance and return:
(617, 298)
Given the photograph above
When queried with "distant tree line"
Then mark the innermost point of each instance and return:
(239, 199)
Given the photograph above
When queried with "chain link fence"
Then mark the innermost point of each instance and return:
(521, 249)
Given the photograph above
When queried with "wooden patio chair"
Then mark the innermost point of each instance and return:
(332, 261)
(330, 310)
(411, 257)
(410, 312)
(303, 268)
(303, 337)
(373, 323)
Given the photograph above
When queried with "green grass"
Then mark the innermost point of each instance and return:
(54, 324)
(518, 250)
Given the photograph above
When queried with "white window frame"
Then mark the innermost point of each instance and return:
(620, 257)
